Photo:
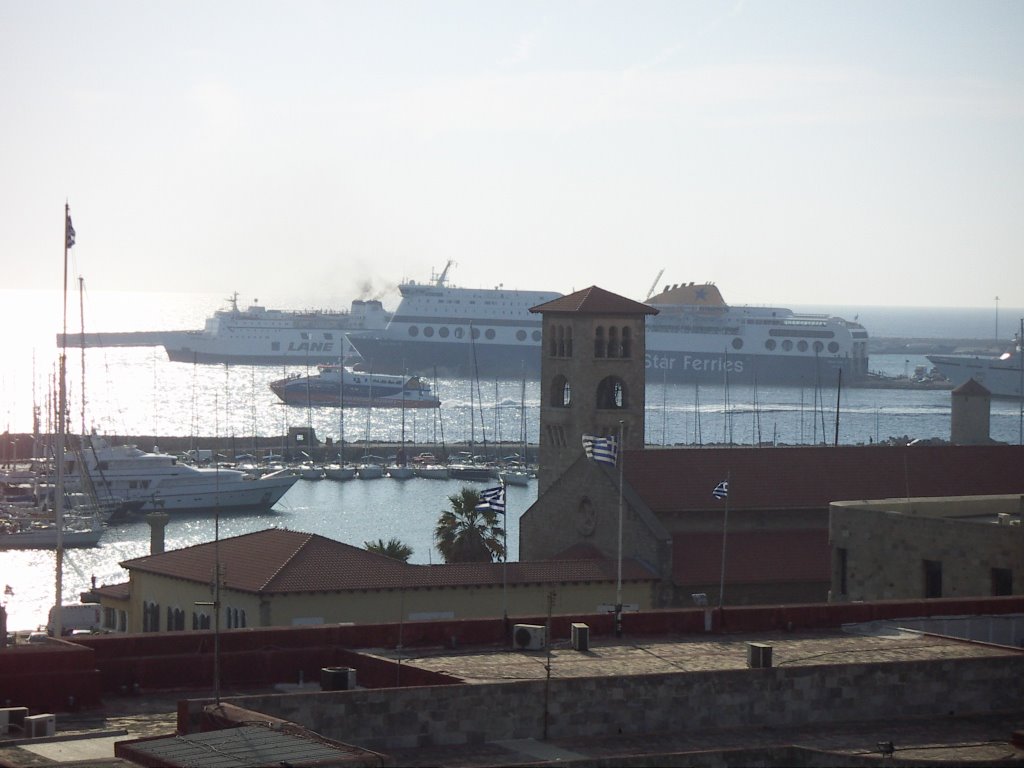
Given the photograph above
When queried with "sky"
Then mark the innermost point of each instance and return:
(805, 153)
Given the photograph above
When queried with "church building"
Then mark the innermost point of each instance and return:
(731, 525)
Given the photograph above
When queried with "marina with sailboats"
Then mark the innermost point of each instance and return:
(135, 395)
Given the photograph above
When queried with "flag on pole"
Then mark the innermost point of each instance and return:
(492, 498)
(721, 490)
(69, 231)
(601, 449)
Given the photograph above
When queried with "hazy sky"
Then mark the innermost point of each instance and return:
(808, 152)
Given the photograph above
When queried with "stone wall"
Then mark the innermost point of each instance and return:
(886, 544)
(694, 701)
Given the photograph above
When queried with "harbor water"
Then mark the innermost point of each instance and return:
(136, 391)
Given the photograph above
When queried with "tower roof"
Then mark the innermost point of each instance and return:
(594, 301)
(972, 387)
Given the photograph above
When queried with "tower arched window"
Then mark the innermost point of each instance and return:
(613, 342)
(568, 341)
(552, 343)
(560, 395)
(599, 342)
(611, 393)
(627, 342)
(561, 340)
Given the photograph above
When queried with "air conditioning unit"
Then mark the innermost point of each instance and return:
(38, 726)
(337, 679)
(528, 637)
(12, 720)
(759, 655)
(581, 637)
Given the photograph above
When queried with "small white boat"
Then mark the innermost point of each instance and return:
(432, 471)
(515, 476)
(24, 533)
(369, 471)
(310, 472)
(400, 471)
(339, 472)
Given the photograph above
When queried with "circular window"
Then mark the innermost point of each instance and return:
(428, 331)
(414, 331)
(490, 333)
(787, 345)
(818, 346)
(520, 335)
(801, 345)
(769, 344)
(535, 336)
(476, 333)
(737, 343)
(833, 347)
(459, 333)
(443, 333)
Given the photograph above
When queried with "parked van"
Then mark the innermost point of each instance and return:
(84, 616)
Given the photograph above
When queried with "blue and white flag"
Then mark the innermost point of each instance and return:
(69, 231)
(721, 490)
(492, 498)
(601, 449)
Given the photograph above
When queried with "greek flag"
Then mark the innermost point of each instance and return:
(492, 498)
(600, 449)
(69, 232)
(721, 490)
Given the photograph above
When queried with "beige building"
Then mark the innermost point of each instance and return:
(287, 578)
(971, 546)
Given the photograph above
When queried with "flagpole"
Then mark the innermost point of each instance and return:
(504, 559)
(618, 575)
(58, 492)
(725, 529)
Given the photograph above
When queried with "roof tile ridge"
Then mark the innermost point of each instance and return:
(307, 538)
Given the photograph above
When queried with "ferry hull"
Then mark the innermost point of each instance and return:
(503, 360)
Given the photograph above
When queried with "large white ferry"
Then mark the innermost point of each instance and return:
(1002, 376)
(695, 336)
(256, 335)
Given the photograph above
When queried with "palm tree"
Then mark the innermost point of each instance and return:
(465, 534)
(393, 548)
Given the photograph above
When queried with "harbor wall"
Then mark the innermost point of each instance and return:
(18, 448)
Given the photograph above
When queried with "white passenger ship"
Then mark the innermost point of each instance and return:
(255, 336)
(258, 335)
(695, 336)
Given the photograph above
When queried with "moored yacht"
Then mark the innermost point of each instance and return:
(163, 483)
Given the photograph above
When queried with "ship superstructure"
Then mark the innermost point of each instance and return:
(695, 336)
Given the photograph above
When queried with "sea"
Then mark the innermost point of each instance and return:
(122, 392)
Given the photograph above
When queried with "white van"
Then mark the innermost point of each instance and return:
(72, 617)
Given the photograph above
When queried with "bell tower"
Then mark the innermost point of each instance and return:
(592, 375)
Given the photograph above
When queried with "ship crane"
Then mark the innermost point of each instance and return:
(443, 277)
(654, 284)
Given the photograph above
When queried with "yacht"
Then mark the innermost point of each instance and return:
(163, 483)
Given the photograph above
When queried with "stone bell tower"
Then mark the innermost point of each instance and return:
(591, 375)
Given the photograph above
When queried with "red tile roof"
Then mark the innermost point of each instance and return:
(807, 477)
(594, 301)
(751, 557)
(282, 561)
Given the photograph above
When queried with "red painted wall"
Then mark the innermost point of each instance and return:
(43, 678)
